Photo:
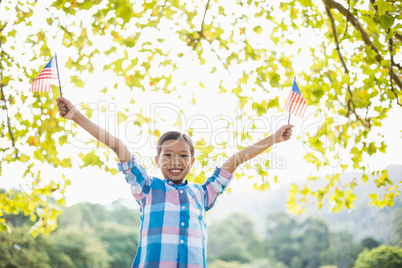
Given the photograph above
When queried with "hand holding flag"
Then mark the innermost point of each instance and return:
(284, 133)
(66, 108)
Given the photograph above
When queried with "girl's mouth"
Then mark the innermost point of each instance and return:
(175, 171)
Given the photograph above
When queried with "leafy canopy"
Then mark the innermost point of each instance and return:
(352, 76)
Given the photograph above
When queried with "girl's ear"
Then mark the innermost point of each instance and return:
(157, 161)
(192, 161)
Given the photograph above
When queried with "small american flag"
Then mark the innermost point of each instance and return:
(295, 103)
(42, 82)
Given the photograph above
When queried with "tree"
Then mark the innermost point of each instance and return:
(123, 215)
(258, 263)
(244, 228)
(382, 256)
(297, 244)
(84, 214)
(82, 245)
(115, 229)
(354, 73)
(227, 243)
(281, 229)
(20, 250)
(314, 240)
(342, 251)
(397, 227)
(369, 243)
(122, 243)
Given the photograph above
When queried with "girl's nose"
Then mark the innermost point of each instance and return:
(176, 160)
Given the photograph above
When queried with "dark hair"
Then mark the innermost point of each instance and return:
(174, 135)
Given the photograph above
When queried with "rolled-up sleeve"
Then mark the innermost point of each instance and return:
(215, 185)
(136, 176)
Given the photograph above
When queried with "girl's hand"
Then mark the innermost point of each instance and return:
(283, 133)
(66, 108)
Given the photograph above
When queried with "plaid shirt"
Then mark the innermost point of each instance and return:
(173, 232)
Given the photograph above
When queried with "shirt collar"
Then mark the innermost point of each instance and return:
(171, 183)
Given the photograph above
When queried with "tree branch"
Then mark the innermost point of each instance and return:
(335, 34)
(391, 71)
(346, 27)
(399, 36)
(352, 19)
(396, 65)
(3, 99)
(203, 18)
(224, 64)
(351, 105)
(8, 118)
(372, 2)
(65, 30)
(201, 31)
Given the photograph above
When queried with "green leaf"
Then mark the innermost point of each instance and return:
(237, 91)
(88, 109)
(140, 119)
(176, 3)
(365, 178)
(121, 117)
(387, 22)
(257, 29)
(77, 81)
(383, 6)
(91, 159)
(112, 171)
(261, 187)
(3, 39)
(261, 108)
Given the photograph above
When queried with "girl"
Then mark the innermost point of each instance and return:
(172, 210)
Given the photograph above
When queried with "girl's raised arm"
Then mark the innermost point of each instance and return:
(282, 134)
(68, 110)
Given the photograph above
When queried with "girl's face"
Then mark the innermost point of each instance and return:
(175, 160)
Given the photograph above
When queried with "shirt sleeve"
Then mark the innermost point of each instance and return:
(215, 185)
(136, 176)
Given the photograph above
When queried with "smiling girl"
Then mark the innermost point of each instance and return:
(173, 231)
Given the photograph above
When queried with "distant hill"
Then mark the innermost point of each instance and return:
(364, 220)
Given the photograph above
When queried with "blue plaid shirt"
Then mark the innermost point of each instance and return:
(173, 232)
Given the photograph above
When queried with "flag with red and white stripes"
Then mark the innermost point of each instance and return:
(295, 103)
(42, 82)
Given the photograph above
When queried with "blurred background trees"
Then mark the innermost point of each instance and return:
(92, 235)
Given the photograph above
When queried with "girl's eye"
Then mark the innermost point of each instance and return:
(183, 155)
(167, 154)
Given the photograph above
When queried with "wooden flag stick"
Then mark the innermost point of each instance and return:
(57, 67)
(290, 110)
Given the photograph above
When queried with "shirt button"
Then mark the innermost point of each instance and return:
(182, 224)
(183, 207)
(181, 191)
(181, 241)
